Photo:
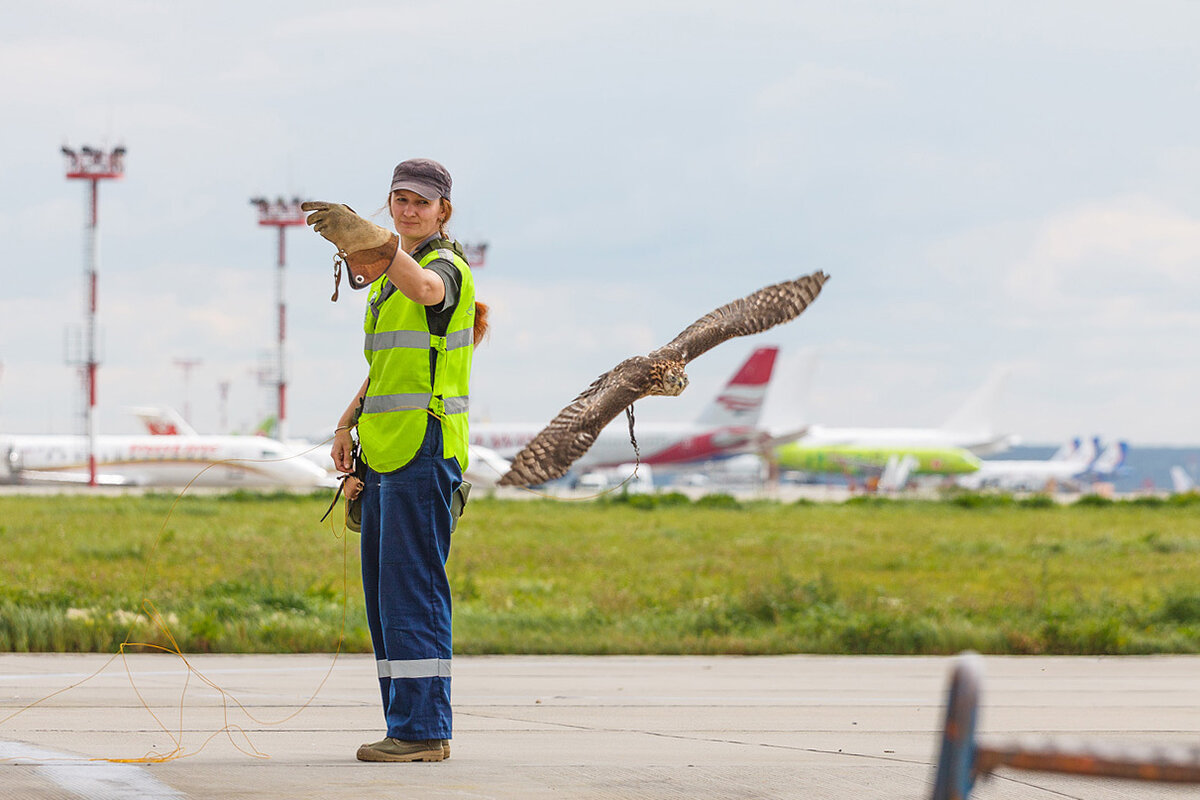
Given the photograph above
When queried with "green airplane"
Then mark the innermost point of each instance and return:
(855, 460)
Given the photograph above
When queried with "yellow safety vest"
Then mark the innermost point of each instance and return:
(402, 393)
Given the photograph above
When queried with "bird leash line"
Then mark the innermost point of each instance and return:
(228, 700)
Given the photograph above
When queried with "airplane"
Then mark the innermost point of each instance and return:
(148, 460)
(484, 466)
(727, 426)
(1070, 464)
(166, 421)
(846, 459)
(969, 428)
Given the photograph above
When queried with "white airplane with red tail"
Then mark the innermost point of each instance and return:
(148, 460)
(483, 470)
(728, 426)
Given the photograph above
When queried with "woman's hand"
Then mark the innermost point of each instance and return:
(342, 451)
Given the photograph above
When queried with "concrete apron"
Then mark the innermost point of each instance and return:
(566, 726)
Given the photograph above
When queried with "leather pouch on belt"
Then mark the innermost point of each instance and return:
(458, 503)
(351, 488)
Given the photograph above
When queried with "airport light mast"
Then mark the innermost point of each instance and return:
(280, 214)
(93, 166)
(187, 364)
(223, 391)
(476, 253)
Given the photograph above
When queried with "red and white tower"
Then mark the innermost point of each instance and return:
(280, 213)
(93, 166)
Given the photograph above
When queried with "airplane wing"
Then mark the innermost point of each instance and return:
(771, 441)
(51, 476)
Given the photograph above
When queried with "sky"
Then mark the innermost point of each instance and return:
(990, 187)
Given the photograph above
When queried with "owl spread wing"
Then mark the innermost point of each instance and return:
(569, 435)
(753, 313)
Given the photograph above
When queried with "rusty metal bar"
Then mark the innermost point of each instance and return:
(1147, 763)
(963, 760)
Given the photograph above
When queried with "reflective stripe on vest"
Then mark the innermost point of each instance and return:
(416, 668)
(389, 403)
(421, 340)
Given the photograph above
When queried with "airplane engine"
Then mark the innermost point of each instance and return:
(10, 465)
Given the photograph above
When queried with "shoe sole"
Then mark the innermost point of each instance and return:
(370, 754)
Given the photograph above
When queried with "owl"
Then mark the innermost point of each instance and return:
(569, 435)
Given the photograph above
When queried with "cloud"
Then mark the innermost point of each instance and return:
(1116, 248)
(1123, 263)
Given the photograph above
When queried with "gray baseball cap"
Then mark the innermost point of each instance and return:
(424, 176)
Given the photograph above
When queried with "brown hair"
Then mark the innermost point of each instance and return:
(481, 322)
(443, 222)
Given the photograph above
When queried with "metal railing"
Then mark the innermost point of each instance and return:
(963, 759)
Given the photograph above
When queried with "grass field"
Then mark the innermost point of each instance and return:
(259, 573)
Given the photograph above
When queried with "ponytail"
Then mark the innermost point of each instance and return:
(481, 322)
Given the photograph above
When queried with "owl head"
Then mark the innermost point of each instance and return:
(674, 380)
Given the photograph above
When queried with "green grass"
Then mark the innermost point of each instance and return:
(658, 574)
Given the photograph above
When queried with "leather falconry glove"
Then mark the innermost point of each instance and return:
(366, 248)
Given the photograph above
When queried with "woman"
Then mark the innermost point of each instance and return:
(411, 412)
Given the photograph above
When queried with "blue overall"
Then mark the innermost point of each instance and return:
(407, 592)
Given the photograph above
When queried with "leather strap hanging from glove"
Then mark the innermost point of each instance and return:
(366, 248)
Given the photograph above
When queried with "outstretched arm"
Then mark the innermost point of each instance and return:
(420, 285)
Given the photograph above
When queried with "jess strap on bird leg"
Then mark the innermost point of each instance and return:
(366, 248)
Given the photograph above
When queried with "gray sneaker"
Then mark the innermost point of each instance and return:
(390, 749)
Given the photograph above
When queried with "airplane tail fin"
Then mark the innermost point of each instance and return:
(1181, 482)
(978, 413)
(164, 421)
(788, 403)
(741, 401)
(1111, 460)
(896, 472)
(1067, 451)
(1087, 452)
